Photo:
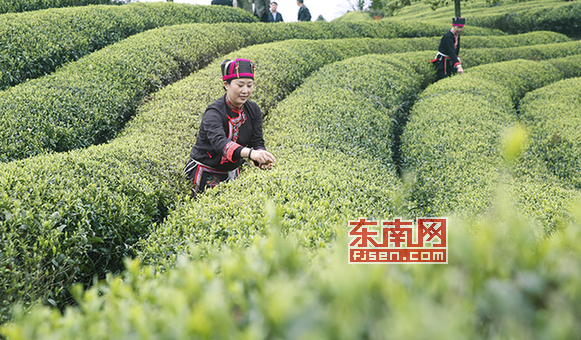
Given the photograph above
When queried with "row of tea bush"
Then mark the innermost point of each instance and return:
(560, 17)
(517, 17)
(36, 43)
(501, 281)
(11, 6)
(552, 114)
(452, 143)
(475, 9)
(87, 102)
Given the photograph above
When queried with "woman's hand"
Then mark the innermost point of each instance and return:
(264, 158)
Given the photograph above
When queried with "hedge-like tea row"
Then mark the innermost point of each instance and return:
(69, 216)
(470, 9)
(501, 281)
(561, 17)
(459, 170)
(539, 52)
(553, 116)
(106, 213)
(34, 44)
(551, 15)
(11, 6)
(97, 94)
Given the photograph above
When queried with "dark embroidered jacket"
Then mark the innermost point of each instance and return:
(224, 132)
(450, 46)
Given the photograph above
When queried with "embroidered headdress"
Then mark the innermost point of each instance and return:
(458, 21)
(239, 68)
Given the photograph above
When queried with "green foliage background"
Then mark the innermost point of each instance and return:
(264, 256)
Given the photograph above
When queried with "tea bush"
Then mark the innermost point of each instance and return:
(561, 17)
(540, 52)
(515, 40)
(54, 232)
(459, 171)
(553, 115)
(10, 6)
(7, 6)
(472, 10)
(520, 288)
(34, 44)
(88, 102)
(106, 215)
(517, 17)
(503, 281)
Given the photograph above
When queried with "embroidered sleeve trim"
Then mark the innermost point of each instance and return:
(229, 149)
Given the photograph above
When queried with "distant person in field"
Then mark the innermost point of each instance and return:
(447, 61)
(304, 13)
(230, 131)
(261, 8)
(273, 15)
(223, 2)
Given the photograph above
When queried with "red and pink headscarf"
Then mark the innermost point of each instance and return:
(458, 21)
(238, 68)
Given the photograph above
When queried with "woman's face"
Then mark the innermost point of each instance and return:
(239, 90)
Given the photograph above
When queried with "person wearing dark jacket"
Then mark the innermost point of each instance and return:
(272, 15)
(230, 131)
(261, 9)
(447, 61)
(304, 13)
(223, 2)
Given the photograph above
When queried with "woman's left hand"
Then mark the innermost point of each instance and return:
(264, 158)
